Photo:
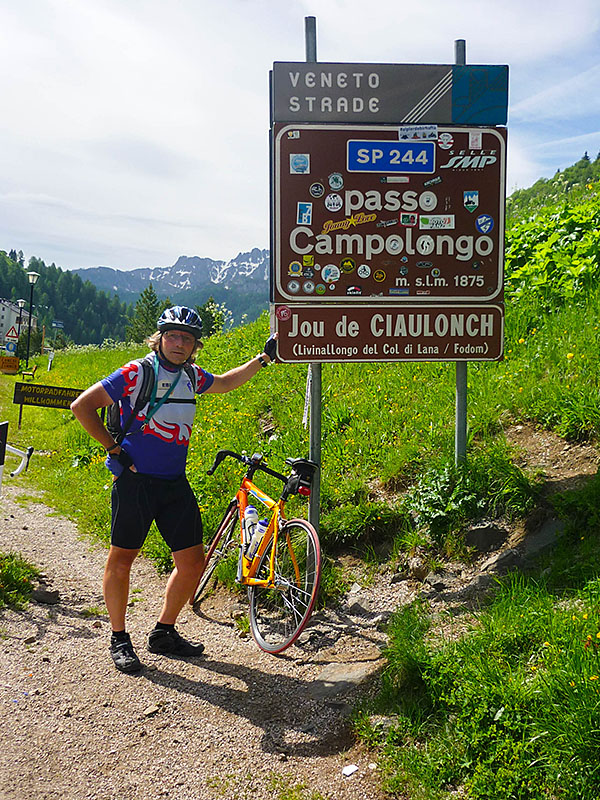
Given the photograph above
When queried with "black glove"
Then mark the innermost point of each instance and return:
(271, 347)
(124, 459)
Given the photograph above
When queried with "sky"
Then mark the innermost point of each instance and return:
(136, 131)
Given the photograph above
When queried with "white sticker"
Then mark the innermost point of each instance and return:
(330, 273)
(436, 222)
(418, 132)
(333, 202)
(475, 139)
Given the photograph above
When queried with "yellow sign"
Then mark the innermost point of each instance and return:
(9, 365)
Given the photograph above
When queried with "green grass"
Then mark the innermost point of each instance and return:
(510, 709)
(17, 580)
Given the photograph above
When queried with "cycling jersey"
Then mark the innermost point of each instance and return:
(159, 447)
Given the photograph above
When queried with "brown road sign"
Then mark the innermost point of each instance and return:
(387, 214)
(33, 394)
(443, 332)
(9, 364)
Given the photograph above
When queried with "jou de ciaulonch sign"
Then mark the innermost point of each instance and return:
(411, 333)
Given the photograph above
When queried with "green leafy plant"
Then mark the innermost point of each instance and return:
(17, 580)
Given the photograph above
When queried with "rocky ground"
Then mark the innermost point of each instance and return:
(237, 723)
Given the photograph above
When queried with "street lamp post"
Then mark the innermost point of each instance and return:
(32, 277)
(20, 303)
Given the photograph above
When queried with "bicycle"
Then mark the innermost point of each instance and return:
(283, 575)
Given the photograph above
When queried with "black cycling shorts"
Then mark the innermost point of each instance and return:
(138, 500)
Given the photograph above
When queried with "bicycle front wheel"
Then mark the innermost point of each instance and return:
(221, 545)
(279, 614)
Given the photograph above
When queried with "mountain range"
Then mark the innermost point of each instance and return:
(242, 283)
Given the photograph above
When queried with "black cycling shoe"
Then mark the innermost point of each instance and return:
(169, 642)
(124, 656)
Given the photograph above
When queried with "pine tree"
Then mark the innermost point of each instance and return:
(147, 310)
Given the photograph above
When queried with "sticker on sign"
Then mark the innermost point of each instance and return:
(389, 156)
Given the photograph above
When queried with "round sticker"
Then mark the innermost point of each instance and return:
(320, 288)
(363, 271)
(333, 202)
(394, 244)
(445, 141)
(425, 245)
(428, 201)
(435, 272)
(347, 264)
(308, 287)
(283, 313)
(293, 287)
(295, 268)
(316, 190)
(403, 270)
(330, 273)
(484, 223)
(307, 272)
(379, 275)
(336, 181)
(299, 163)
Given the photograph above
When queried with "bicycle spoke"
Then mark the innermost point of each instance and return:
(278, 614)
(222, 544)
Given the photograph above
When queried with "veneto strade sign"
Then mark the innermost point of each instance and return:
(396, 93)
(388, 214)
(412, 333)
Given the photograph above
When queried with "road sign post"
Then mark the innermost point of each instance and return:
(387, 214)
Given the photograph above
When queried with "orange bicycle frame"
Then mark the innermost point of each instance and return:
(250, 567)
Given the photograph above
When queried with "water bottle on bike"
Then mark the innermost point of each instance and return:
(250, 523)
(261, 528)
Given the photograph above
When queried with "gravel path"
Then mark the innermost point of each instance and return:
(236, 724)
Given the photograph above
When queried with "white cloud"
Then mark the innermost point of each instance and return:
(136, 131)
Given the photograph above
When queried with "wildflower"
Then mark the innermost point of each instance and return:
(593, 677)
(546, 644)
(598, 635)
(521, 340)
(585, 616)
(570, 355)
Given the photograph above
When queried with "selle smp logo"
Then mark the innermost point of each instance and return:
(472, 160)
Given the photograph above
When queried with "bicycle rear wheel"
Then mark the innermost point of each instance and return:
(222, 544)
(278, 615)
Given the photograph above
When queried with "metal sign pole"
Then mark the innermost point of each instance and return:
(3, 438)
(460, 425)
(314, 508)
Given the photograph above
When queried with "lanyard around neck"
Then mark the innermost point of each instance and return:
(153, 405)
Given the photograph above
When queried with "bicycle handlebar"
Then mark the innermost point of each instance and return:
(253, 463)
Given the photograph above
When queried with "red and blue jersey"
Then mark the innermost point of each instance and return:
(158, 448)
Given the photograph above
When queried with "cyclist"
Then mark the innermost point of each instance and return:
(149, 472)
